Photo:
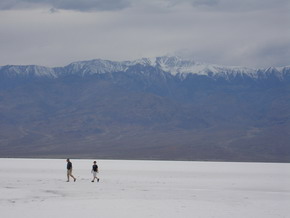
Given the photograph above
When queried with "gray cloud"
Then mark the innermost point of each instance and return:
(253, 33)
(77, 5)
(232, 5)
(211, 3)
(108, 5)
(278, 53)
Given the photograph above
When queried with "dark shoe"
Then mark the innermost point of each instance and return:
(92, 180)
(75, 179)
(98, 180)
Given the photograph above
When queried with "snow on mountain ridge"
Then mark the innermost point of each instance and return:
(174, 65)
(97, 66)
(29, 70)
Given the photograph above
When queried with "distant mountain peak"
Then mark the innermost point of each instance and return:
(177, 65)
(174, 65)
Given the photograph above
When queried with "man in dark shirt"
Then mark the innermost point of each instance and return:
(95, 170)
(69, 170)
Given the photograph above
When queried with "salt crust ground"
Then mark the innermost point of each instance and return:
(128, 189)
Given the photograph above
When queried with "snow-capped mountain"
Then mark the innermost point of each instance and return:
(183, 67)
(173, 65)
(97, 66)
(150, 108)
(28, 70)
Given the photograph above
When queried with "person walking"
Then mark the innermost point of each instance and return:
(95, 170)
(69, 170)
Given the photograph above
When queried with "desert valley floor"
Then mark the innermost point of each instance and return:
(158, 189)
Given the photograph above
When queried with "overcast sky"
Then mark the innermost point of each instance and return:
(252, 33)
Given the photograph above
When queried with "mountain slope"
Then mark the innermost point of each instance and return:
(145, 109)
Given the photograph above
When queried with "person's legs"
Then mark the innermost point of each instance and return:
(94, 176)
(73, 176)
(69, 174)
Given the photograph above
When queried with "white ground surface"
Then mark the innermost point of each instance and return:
(128, 189)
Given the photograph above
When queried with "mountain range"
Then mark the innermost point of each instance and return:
(165, 108)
